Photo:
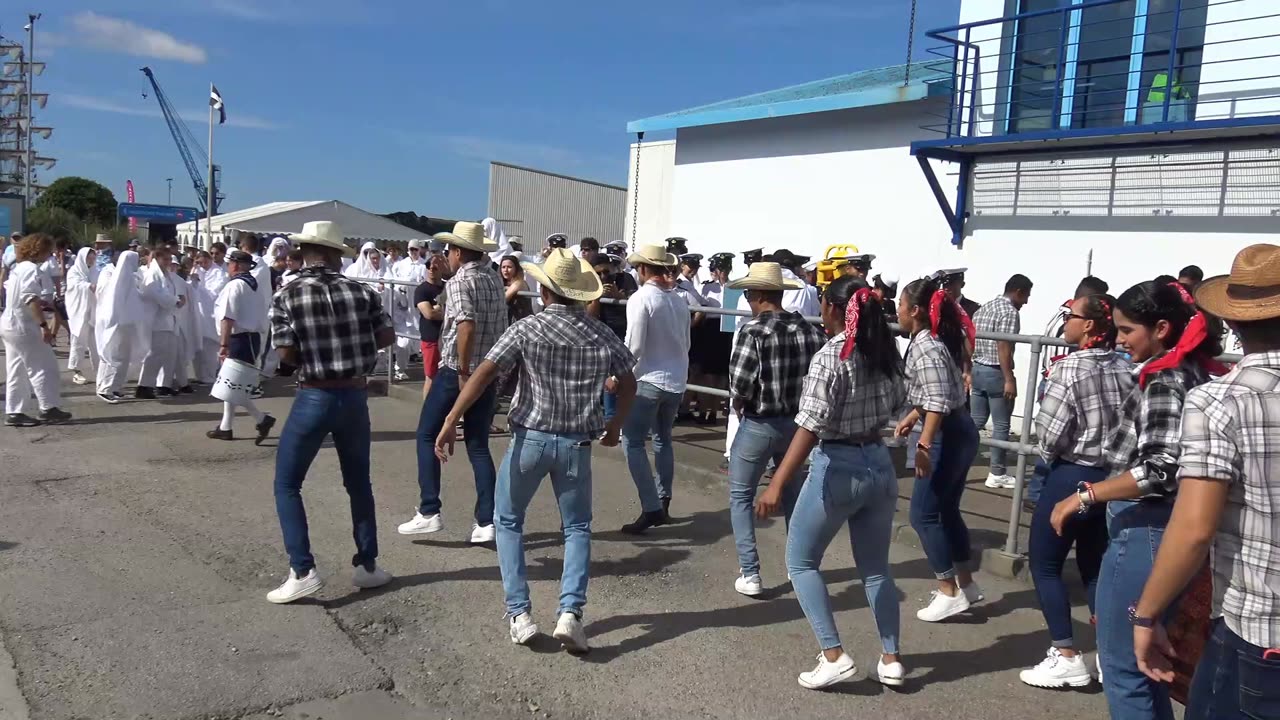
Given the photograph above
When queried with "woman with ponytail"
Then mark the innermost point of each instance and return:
(1077, 414)
(1158, 324)
(941, 335)
(853, 388)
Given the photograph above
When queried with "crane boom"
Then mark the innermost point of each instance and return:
(186, 142)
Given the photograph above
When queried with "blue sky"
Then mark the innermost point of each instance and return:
(400, 105)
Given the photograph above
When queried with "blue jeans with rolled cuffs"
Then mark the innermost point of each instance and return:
(757, 441)
(854, 486)
(1048, 550)
(935, 498)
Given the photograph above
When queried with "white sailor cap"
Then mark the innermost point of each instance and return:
(810, 266)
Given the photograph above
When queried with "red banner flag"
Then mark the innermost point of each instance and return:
(133, 222)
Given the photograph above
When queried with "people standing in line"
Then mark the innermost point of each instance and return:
(81, 286)
(1225, 509)
(615, 285)
(658, 337)
(160, 294)
(118, 323)
(412, 268)
(240, 322)
(30, 366)
(206, 281)
(293, 263)
(995, 387)
(518, 306)
(588, 249)
(767, 366)
(186, 332)
(1078, 408)
(940, 335)
(854, 386)
(1174, 345)
(475, 315)
(330, 328)
(564, 356)
(429, 303)
(710, 344)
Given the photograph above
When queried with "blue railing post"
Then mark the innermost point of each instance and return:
(1173, 59)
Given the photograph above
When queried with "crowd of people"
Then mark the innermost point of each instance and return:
(1154, 457)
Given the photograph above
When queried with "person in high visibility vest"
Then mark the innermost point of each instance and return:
(1160, 83)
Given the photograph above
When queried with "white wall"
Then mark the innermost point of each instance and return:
(1242, 40)
(657, 170)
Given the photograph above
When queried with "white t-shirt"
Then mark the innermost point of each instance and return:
(26, 281)
(240, 303)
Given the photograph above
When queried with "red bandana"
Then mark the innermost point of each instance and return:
(935, 316)
(1196, 332)
(851, 321)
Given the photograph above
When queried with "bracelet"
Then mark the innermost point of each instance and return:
(1083, 497)
(922, 446)
(1093, 499)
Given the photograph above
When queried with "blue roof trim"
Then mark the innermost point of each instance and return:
(882, 86)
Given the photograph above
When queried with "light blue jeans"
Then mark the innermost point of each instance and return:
(757, 441)
(987, 400)
(531, 456)
(852, 485)
(653, 410)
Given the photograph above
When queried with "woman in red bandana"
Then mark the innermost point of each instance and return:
(1174, 346)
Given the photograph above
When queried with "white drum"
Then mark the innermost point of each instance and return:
(235, 381)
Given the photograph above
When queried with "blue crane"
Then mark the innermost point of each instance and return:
(186, 144)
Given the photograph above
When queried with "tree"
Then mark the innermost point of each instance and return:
(55, 221)
(90, 201)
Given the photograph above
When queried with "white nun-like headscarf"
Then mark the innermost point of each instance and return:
(79, 291)
(119, 304)
(494, 232)
(362, 269)
(279, 248)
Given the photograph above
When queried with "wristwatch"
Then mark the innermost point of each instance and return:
(1141, 622)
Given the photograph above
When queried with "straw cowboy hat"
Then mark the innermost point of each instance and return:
(566, 275)
(102, 239)
(468, 236)
(652, 255)
(1252, 290)
(764, 276)
(325, 234)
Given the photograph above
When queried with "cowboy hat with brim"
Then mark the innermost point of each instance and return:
(323, 234)
(652, 255)
(764, 276)
(566, 275)
(468, 236)
(1251, 292)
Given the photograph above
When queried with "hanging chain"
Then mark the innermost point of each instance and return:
(635, 192)
(911, 39)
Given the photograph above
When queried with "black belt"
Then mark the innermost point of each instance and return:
(871, 438)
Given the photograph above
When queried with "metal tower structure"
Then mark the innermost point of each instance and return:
(20, 163)
(193, 154)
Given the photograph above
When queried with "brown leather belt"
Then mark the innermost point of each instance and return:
(340, 384)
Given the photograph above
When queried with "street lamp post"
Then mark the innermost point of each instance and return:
(170, 181)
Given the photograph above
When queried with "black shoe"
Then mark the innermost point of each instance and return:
(187, 390)
(646, 521)
(264, 429)
(219, 434)
(54, 416)
(109, 398)
(20, 421)
(165, 392)
(723, 467)
(144, 393)
(666, 508)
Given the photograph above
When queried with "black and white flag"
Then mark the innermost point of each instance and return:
(215, 102)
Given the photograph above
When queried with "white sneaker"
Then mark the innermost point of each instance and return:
(422, 524)
(570, 633)
(79, 379)
(523, 628)
(1057, 671)
(892, 674)
(481, 534)
(401, 376)
(749, 585)
(973, 593)
(828, 673)
(1000, 482)
(941, 607)
(295, 587)
(367, 580)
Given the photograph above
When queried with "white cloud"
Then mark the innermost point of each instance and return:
(240, 10)
(123, 36)
(149, 109)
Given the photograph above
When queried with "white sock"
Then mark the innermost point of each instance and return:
(228, 414)
(253, 410)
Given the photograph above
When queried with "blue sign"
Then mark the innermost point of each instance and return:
(5, 230)
(158, 213)
(729, 323)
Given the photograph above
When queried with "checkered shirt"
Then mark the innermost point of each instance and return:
(934, 381)
(562, 357)
(999, 316)
(1082, 397)
(331, 321)
(1231, 433)
(474, 293)
(1147, 436)
(770, 356)
(843, 399)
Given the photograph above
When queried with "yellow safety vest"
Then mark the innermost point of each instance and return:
(1158, 85)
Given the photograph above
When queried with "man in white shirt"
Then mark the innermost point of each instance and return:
(658, 337)
(207, 281)
(404, 315)
(241, 321)
(252, 245)
(161, 298)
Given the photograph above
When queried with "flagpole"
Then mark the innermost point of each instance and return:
(208, 225)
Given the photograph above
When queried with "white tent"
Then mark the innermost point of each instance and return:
(288, 217)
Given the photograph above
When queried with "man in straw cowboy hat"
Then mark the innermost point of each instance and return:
(770, 358)
(331, 328)
(475, 316)
(564, 356)
(1227, 495)
(658, 337)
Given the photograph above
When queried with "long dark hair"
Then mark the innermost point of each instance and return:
(1100, 308)
(871, 338)
(948, 326)
(1147, 303)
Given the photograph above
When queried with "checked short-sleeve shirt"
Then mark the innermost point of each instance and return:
(999, 316)
(771, 354)
(844, 399)
(1082, 396)
(474, 293)
(331, 320)
(934, 381)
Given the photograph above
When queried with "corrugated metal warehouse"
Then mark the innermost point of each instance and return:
(534, 204)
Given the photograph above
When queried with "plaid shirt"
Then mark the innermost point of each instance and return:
(1147, 436)
(1081, 398)
(999, 316)
(1231, 433)
(474, 293)
(843, 400)
(771, 354)
(934, 381)
(563, 357)
(331, 320)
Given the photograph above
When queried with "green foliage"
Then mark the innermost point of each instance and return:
(53, 220)
(90, 201)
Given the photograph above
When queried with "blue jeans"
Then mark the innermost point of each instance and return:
(1048, 550)
(1136, 529)
(935, 499)
(1233, 680)
(610, 405)
(1035, 486)
(531, 456)
(315, 415)
(853, 485)
(987, 400)
(475, 432)
(757, 441)
(653, 410)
